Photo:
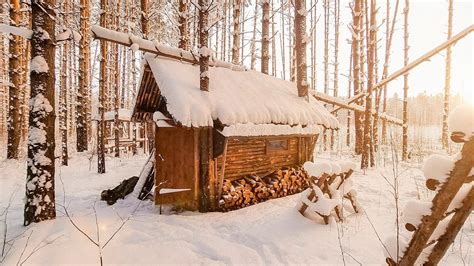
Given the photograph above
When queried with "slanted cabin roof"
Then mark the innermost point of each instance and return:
(235, 97)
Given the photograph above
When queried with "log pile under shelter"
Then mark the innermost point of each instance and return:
(253, 189)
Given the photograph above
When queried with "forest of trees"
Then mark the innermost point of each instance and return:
(55, 78)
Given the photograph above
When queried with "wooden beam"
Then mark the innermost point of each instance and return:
(356, 108)
(422, 58)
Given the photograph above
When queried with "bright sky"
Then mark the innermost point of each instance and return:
(428, 28)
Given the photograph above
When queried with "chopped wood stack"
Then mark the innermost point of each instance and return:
(253, 189)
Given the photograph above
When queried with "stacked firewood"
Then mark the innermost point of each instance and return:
(253, 189)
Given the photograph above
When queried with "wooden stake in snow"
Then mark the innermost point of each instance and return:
(40, 196)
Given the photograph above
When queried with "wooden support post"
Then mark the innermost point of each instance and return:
(206, 176)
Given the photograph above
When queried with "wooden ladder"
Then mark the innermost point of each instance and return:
(441, 201)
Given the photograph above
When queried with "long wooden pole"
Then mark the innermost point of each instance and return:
(422, 58)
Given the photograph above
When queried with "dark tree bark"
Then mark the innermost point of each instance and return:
(265, 35)
(13, 117)
(102, 99)
(144, 17)
(300, 42)
(40, 197)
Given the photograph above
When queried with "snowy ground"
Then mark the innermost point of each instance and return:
(268, 233)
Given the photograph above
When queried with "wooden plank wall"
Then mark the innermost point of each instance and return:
(249, 155)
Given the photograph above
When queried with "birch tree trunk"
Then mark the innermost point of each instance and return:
(236, 5)
(63, 100)
(265, 35)
(447, 80)
(282, 38)
(13, 122)
(102, 92)
(84, 62)
(405, 84)
(300, 43)
(40, 196)
(224, 32)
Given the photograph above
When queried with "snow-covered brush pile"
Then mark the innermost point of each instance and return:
(433, 225)
(330, 184)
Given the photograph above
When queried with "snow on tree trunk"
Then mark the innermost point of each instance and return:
(236, 4)
(265, 35)
(204, 51)
(83, 79)
(13, 122)
(371, 42)
(405, 85)
(300, 41)
(40, 196)
(282, 38)
(273, 41)
(63, 100)
(183, 25)
(447, 80)
(102, 99)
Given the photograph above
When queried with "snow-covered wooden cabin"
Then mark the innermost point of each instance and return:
(248, 123)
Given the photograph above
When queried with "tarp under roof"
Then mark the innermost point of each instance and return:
(234, 97)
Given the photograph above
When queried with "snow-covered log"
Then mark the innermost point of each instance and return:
(156, 48)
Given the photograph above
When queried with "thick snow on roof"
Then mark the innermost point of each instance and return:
(234, 97)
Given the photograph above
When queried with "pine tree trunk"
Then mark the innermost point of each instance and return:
(236, 4)
(40, 196)
(273, 41)
(224, 32)
(84, 61)
(183, 25)
(405, 85)
(117, 85)
(314, 21)
(366, 153)
(102, 96)
(265, 35)
(144, 18)
(447, 80)
(282, 38)
(13, 123)
(253, 46)
(336, 59)
(356, 48)
(326, 60)
(300, 43)
(63, 100)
